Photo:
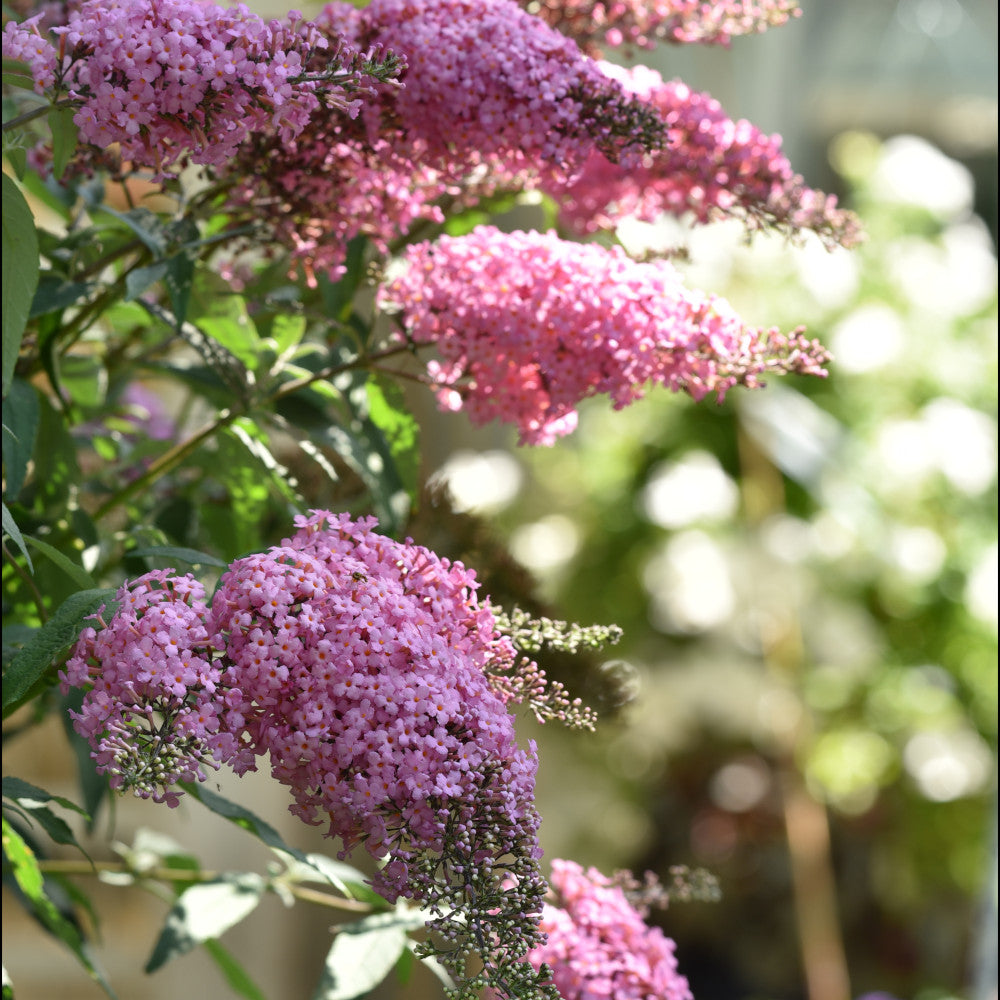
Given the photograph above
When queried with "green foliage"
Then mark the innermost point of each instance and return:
(32, 664)
(20, 273)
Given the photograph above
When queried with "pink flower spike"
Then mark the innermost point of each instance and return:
(528, 325)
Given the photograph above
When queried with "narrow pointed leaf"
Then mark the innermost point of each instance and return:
(39, 652)
(20, 273)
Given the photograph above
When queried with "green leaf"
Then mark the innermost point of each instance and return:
(361, 956)
(338, 297)
(17, 74)
(256, 442)
(93, 786)
(178, 280)
(205, 911)
(222, 315)
(33, 801)
(24, 791)
(388, 411)
(17, 157)
(74, 571)
(20, 427)
(10, 528)
(29, 879)
(54, 293)
(64, 138)
(319, 868)
(140, 279)
(20, 273)
(39, 652)
(236, 976)
(146, 225)
(191, 556)
(287, 331)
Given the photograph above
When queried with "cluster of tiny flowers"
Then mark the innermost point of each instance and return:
(599, 947)
(173, 80)
(486, 78)
(491, 96)
(153, 701)
(528, 325)
(641, 23)
(358, 665)
(711, 168)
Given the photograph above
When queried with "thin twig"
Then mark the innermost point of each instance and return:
(68, 867)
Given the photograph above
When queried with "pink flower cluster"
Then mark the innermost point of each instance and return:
(485, 79)
(172, 79)
(597, 23)
(528, 325)
(153, 711)
(490, 96)
(712, 167)
(599, 947)
(360, 666)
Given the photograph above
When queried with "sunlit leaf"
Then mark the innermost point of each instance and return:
(361, 956)
(206, 911)
(28, 876)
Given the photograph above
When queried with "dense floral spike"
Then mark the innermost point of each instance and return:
(153, 707)
(486, 78)
(598, 944)
(528, 325)
(173, 79)
(609, 23)
(712, 168)
(359, 662)
(491, 97)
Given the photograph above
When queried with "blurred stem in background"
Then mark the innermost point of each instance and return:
(807, 825)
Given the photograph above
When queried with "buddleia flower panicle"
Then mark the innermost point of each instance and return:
(711, 168)
(527, 325)
(177, 81)
(598, 944)
(356, 664)
(600, 24)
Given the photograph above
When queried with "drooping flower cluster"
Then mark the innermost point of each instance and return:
(361, 666)
(177, 79)
(528, 325)
(599, 947)
(598, 23)
(711, 168)
(491, 97)
(154, 708)
(484, 79)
